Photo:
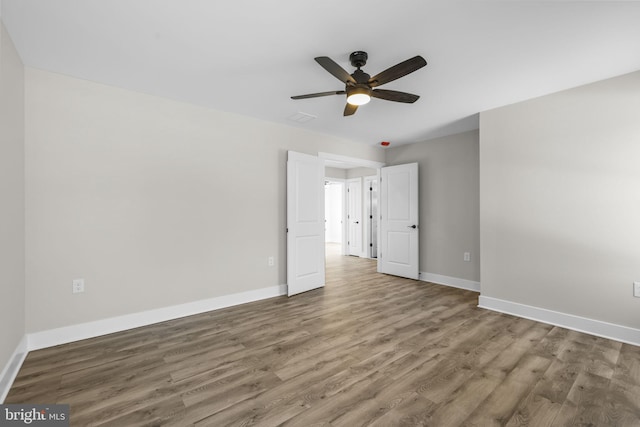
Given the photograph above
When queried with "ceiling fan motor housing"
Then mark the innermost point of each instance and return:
(358, 58)
(361, 77)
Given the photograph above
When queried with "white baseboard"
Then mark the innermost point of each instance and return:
(455, 282)
(11, 369)
(581, 324)
(67, 334)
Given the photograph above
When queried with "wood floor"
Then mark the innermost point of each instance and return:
(368, 349)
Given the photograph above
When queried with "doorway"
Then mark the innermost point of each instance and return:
(306, 221)
(333, 210)
(358, 180)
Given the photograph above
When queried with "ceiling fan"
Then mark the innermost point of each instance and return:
(359, 86)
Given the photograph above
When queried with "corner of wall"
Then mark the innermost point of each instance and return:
(13, 345)
(11, 369)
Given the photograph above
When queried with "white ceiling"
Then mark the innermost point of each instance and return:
(250, 56)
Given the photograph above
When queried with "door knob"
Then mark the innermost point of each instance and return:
(357, 222)
(412, 226)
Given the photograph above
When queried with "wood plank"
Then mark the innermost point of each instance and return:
(501, 404)
(581, 407)
(541, 406)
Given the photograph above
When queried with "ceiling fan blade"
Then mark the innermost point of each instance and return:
(397, 71)
(337, 71)
(394, 95)
(350, 109)
(316, 95)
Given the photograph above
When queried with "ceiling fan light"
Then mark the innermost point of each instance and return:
(358, 96)
(358, 99)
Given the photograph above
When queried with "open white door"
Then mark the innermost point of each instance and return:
(305, 223)
(371, 217)
(354, 216)
(399, 244)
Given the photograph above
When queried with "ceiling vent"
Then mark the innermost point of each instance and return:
(302, 117)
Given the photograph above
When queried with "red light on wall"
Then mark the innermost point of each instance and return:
(385, 143)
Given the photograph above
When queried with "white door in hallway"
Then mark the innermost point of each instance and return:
(354, 216)
(305, 223)
(399, 243)
(371, 216)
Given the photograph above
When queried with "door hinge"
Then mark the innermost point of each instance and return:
(371, 245)
(370, 216)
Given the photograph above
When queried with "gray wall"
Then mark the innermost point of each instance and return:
(335, 173)
(12, 276)
(361, 172)
(560, 201)
(449, 204)
(153, 202)
(340, 173)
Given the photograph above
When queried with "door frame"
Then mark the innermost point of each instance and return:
(356, 162)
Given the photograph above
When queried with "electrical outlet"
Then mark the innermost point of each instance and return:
(636, 289)
(271, 261)
(77, 286)
(467, 256)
